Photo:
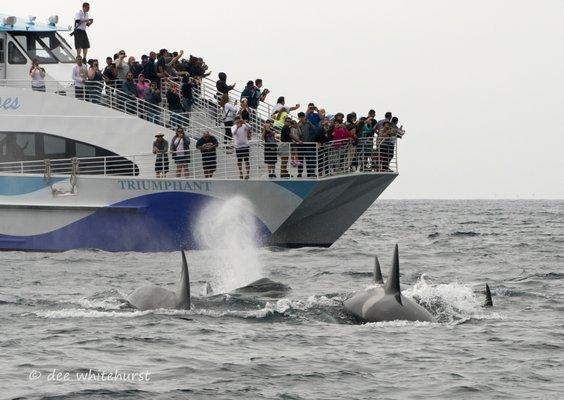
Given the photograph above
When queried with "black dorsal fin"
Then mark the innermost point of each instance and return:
(377, 272)
(393, 284)
(489, 302)
(184, 289)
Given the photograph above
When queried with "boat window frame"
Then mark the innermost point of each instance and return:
(97, 163)
(14, 46)
(2, 47)
(38, 38)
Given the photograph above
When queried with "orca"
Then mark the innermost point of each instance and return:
(264, 287)
(385, 302)
(488, 302)
(152, 297)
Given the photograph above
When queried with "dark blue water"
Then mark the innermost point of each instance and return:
(66, 313)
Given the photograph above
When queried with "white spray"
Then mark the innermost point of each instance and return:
(229, 231)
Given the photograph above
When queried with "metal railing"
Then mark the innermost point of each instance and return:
(265, 160)
(109, 96)
(205, 100)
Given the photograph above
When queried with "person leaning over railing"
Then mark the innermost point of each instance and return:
(270, 148)
(385, 146)
(207, 145)
(37, 75)
(160, 149)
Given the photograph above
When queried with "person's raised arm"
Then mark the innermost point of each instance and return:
(175, 59)
(294, 108)
(264, 94)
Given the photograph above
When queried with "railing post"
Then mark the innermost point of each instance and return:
(316, 161)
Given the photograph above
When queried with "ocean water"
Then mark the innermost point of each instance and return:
(65, 324)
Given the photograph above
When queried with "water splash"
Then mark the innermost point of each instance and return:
(449, 303)
(229, 230)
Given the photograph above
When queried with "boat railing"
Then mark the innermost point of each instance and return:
(206, 99)
(291, 161)
(109, 96)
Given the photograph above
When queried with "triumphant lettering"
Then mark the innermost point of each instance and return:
(164, 185)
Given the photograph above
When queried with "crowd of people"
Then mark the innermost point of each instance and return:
(312, 143)
(129, 79)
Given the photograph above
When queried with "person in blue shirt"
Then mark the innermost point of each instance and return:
(312, 115)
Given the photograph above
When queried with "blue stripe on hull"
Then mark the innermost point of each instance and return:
(164, 222)
(15, 185)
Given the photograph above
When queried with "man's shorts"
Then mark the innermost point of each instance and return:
(81, 39)
(242, 153)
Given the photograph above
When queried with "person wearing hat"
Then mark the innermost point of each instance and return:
(160, 148)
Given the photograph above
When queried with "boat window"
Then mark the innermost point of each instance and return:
(46, 47)
(1, 50)
(34, 47)
(58, 46)
(84, 150)
(16, 147)
(15, 56)
(54, 145)
(31, 146)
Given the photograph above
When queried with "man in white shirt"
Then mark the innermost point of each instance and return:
(79, 77)
(241, 134)
(81, 21)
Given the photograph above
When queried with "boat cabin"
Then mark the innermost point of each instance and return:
(21, 41)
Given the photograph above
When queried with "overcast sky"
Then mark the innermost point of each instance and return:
(478, 85)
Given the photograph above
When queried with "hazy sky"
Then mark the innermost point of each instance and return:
(478, 85)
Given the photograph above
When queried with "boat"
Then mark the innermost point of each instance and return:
(78, 174)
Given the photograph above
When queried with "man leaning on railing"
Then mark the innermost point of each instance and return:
(160, 149)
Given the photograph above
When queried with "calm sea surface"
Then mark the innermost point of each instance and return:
(65, 324)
